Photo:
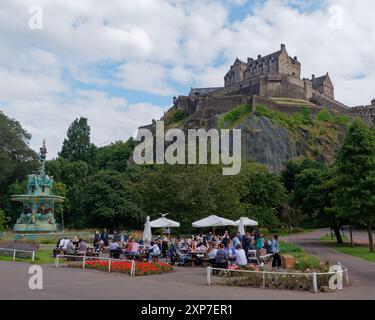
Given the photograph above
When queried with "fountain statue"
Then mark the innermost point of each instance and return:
(38, 203)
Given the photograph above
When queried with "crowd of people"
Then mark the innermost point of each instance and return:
(72, 246)
(223, 251)
(219, 251)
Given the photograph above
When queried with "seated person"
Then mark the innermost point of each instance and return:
(230, 250)
(154, 251)
(59, 243)
(241, 259)
(82, 247)
(134, 252)
(70, 248)
(174, 253)
(129, 245)
(212, 253)
(221, 257)
(115, 249)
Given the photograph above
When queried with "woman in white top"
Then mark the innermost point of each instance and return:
(154, 251)
(241, 259)
(211, 254)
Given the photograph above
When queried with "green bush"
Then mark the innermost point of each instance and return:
(342, 119)
(307, 262)
(179, 116)
(226, 120)
(306, 115)
(324, 115)
(289, 247)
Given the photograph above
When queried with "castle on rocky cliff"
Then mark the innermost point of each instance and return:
(266, 80)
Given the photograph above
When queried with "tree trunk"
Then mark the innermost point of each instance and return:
(336, 229)
(370, 238)
(351, 236)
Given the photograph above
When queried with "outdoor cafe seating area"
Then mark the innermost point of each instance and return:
(243, 248)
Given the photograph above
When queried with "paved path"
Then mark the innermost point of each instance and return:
(185, 283)
(361, 272)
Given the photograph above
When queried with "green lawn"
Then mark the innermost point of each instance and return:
(359, 251)
(42, 257)
(328, 238)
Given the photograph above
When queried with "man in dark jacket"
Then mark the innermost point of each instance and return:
(104, 237)
(246, 244)
(173, 253)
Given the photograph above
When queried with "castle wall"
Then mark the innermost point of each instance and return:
(288, 66)
(256, 100)
(335, 106)
(283, 86)
(185, 104)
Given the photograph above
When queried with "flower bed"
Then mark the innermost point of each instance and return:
(141, 268)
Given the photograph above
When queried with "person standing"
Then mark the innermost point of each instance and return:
(104, 237)
(246, 243)
(275, 248)
(97, 240)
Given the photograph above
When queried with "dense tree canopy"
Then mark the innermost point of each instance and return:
(17, 160)
(104, 188)
(354, 196)
(77, 146)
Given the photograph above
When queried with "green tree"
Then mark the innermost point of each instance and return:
(73, 175)
(77, 146)
(16, 157)
(60, 189)
(354, 196)
(3, 220)
(312, 195)
(116, 155)
(106, 201)
(262, 193)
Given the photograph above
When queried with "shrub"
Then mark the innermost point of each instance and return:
(324, 115)
(307, 263)
(178, 116)
(228, 119)
(289, 247)
(342, 119)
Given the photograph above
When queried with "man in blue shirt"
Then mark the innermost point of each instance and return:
(275, 248)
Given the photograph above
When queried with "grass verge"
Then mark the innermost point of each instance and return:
(358, 251)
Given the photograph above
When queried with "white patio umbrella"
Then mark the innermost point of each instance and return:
(213, 221)
(246, 222)
(147, 234)
(241, 227)
(164, 222)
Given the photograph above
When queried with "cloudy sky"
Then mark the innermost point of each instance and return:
(120, 62)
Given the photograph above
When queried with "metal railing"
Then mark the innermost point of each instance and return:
(86, 258)
(16, 250)
(313, 275)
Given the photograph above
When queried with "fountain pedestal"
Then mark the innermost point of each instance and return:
(38, 208)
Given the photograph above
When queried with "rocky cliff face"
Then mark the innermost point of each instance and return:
(267, 143)
(270, 137)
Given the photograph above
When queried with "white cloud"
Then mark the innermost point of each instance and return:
(110, 118)
(152, 44)
(144, 76)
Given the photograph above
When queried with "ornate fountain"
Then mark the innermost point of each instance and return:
(38, 203)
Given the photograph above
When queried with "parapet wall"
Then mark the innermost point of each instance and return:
(289, 109)
(333, 105)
